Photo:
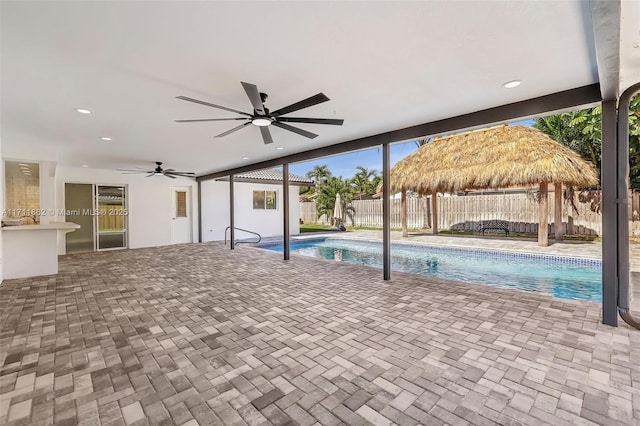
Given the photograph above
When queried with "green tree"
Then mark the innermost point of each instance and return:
(364, 181)
(321, 174)
(634, 142)
(582, 132)
(327, 191)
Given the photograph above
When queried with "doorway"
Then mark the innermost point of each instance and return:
(101, 212)
(78, 205)
(111, 217)
(181, 226)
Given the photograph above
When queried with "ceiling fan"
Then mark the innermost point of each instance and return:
(170, 173)
(263, 118)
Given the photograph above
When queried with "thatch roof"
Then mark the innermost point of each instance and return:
(497, 157)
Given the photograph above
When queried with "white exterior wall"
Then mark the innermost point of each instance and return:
(149, 199)
(268, 223)
(215, 209)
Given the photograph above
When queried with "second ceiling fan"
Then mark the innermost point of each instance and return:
(263, 118)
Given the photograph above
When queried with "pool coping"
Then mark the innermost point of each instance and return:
(591, 260)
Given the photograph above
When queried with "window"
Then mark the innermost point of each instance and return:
(22, 191)
(264, 200)
(181, 204)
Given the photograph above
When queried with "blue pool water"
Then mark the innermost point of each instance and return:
(563, 277)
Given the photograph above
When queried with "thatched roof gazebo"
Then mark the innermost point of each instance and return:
(497, 157)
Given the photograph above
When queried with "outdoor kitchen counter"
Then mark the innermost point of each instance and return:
(32, 250)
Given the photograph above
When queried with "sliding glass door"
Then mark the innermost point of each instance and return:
(110, 217)
(78, 205)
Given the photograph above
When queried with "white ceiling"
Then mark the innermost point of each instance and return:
(385, 65)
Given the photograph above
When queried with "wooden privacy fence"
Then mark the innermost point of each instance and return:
(111, 217)
(466, 213)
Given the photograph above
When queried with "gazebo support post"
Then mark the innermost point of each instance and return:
(426, 215)
(557, 213)
(543, 219)
(434, 212)
(403, 213)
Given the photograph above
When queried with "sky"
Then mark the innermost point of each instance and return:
(345, 164)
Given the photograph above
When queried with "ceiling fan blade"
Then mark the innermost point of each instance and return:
(254, 97)
(151, 174)
(235, 129)
(168, 175)
(305, 103)
(294, 130)
(180, 173)
(133, 171)
(209, 119)
(185, 98)
(333, 121)
(266, 135)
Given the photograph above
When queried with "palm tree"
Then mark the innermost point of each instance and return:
(364, 181)
(421, 142)
(326, 200)
(321, 174)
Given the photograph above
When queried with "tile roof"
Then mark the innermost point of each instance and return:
(270, 175)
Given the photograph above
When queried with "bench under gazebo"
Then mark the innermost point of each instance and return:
(497, 157)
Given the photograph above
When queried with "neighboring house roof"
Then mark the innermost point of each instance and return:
(270, 176)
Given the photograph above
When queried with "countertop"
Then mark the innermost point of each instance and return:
(47, 226)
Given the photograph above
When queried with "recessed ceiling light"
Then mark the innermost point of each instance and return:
(279, 147)
(511, 84)
(83, 111)
(105, 138)
(85, 165)
(245, 158)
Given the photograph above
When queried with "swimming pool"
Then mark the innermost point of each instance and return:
(563, 277)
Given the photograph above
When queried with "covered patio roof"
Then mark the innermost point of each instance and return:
(127, 61)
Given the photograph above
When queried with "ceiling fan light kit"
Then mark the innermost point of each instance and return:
(262, 118)
(261, 121)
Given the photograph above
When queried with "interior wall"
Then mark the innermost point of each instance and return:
(22, 194)
(19, 150)
(268, 223)
(150, 210)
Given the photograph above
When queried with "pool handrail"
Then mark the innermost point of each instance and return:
(239, 241)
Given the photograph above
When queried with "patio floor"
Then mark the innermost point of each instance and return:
(197, 334)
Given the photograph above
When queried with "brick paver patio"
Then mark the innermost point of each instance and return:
(196, 334)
